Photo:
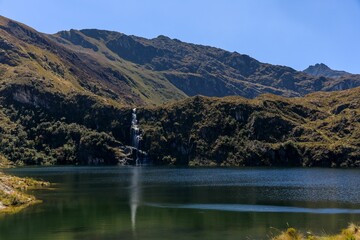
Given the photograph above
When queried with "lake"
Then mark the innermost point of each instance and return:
(184, 203)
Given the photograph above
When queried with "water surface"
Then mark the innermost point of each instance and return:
(184, 203)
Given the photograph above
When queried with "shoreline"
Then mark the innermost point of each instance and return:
(352, 232)
(13, 196)
(19, 185)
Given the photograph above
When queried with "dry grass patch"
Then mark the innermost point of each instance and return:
(350, 233)
(12, 196)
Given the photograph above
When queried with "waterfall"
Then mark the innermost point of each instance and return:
(135, 135)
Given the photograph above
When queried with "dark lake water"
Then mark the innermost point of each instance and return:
(184, 203)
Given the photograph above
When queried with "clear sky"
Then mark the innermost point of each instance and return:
(295, 33)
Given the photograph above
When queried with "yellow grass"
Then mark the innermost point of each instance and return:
(350, 233)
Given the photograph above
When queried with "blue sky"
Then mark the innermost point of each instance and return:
(295, 33)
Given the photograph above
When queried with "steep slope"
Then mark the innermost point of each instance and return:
(321, 69)
(31, 58)
(67, 99)
(197, 69)
(322, 129)
(342, 80)
(129, 70)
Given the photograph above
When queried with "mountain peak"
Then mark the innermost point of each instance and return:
(134, 70)
(163, 37)
(321, 65)
(321, 69)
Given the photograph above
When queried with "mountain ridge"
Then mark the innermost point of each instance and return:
(320, 69)
(67, 98)
(320, 129)
(243, 76)
(132, 70)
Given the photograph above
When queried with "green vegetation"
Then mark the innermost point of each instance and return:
(350, 233)
(56, 65)
(4, 162)
(12, 196)
(128, 70)
(321, 129)
(67, 99)
(62, 135)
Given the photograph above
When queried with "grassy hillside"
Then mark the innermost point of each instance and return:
(67, 99)
(196, 69)
(31, 58)
(352, 232)
(48, 128)
(12, 196)
(130, 70)
(322, 129)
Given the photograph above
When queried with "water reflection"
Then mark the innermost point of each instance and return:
(89, 203)
(257, 208)
(135, 194)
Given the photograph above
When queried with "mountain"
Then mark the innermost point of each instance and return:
(67, 98)
(129, 70)
(32, 59)
(321, 69)
(12, 192)
(196, 69)
(321, 129)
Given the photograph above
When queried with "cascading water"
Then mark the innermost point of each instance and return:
(135, 135)
(135, 188)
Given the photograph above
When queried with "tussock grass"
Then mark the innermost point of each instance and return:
(12, 196)
(352, 232)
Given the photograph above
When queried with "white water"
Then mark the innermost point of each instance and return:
(135, 134)
(135, 187)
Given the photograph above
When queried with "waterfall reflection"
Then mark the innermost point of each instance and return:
(135, 194)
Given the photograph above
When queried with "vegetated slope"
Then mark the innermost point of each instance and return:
(351, 232)
(321, 69)
(321, 129)
(197, 69)
(12, 196)
(30, 58)
(67, 101)
(46, 128)
(130, 70)
(56, 107)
